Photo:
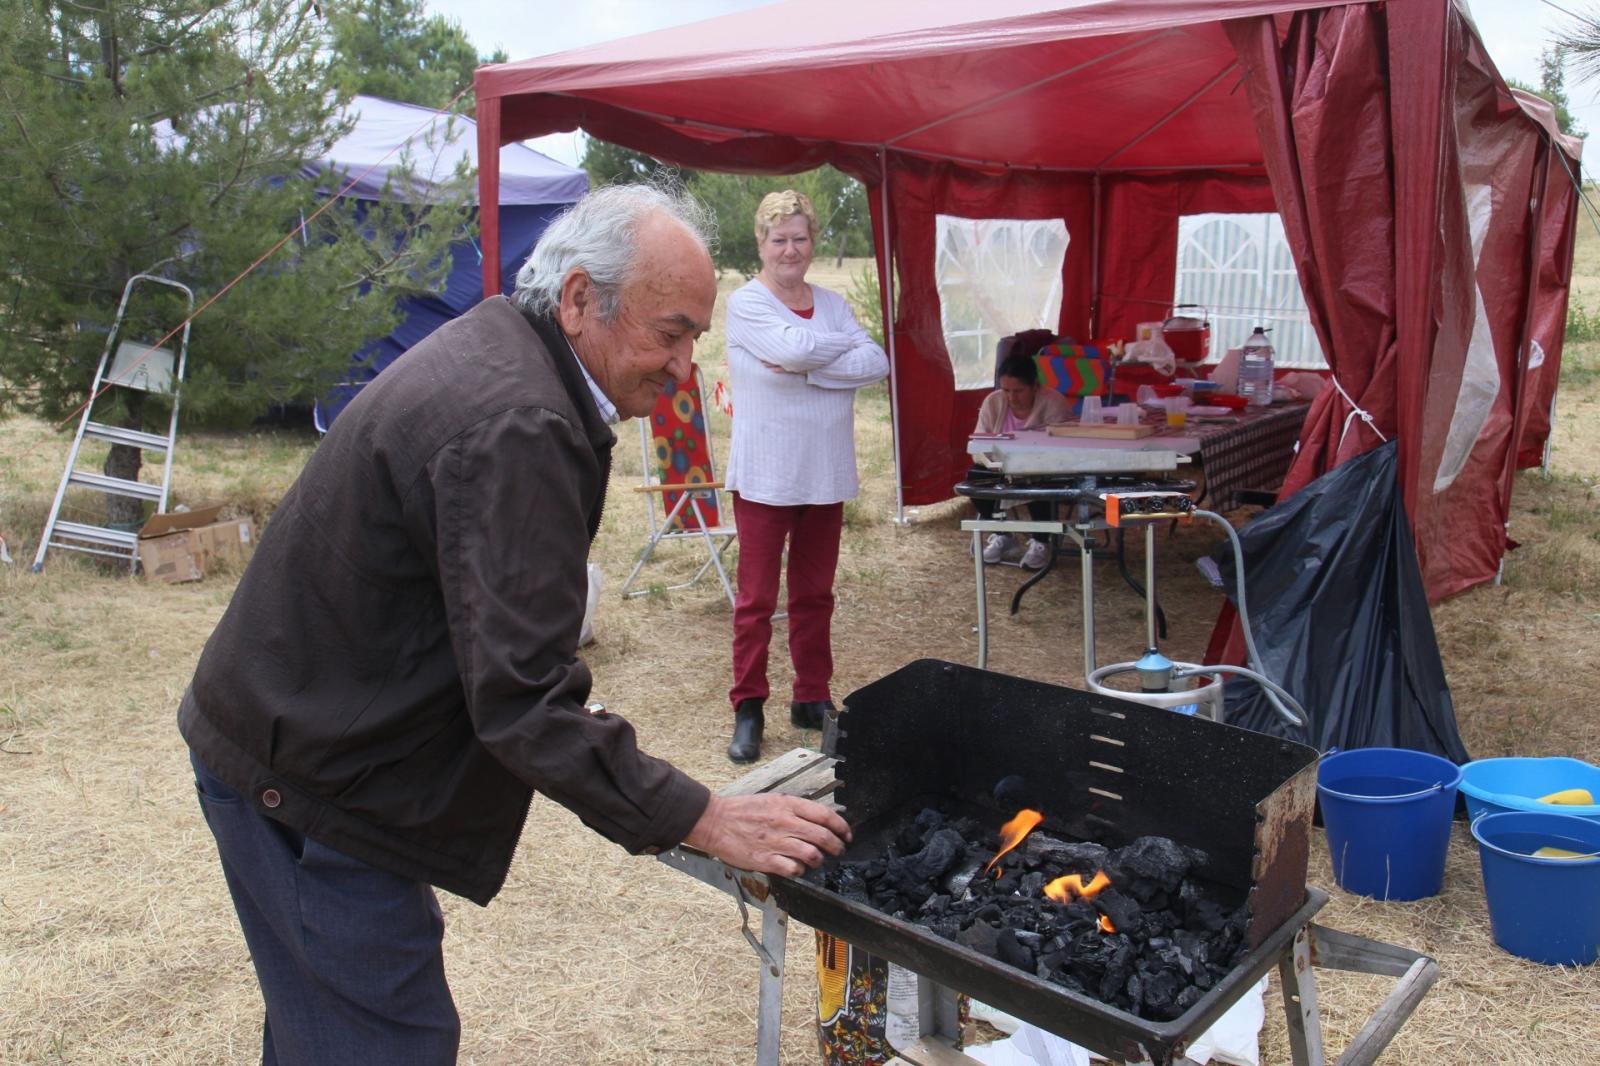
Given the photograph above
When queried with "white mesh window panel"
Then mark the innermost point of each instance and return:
(996, 277)
(1240, 269)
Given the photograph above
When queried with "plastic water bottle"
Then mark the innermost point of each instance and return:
(1255, 369)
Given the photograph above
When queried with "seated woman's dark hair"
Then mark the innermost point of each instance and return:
(1022, 367)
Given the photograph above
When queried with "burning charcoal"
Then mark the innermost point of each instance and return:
(1078, 916)
(1204, 916)
(1124, 912)
(980, 937)
(914, 875)
(1089, 954)
(851, 885)
(913, 836)
(1156, 859)
(1167, 955)
(1159, 994)
(1118, 968)
(956, 883)
(1126, 926)
(1192, 948)
(1082, 859)
(1012, 951)
(1148, 893)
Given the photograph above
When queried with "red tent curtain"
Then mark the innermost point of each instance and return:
(935, 419)
(1319, 108)
(1548, 316)
(1139, 249)
(1405, 189)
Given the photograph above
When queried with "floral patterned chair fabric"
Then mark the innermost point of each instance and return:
(681, 487)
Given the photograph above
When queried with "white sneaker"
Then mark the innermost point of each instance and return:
(1036, 556)
(996, 547)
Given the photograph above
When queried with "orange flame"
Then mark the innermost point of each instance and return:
(1062, 889)
(1013, 832)
(1106, 926)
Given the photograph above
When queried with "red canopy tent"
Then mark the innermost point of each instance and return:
(1429, 207)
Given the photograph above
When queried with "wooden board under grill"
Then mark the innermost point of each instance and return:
(1108, 430)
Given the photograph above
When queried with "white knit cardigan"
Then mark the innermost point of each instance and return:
(794, 430)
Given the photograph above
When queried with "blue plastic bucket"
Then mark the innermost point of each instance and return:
(1387, 812)
(1547, 910)
(1493, 786)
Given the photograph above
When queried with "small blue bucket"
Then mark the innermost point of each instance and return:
(1546, 910)
(1493, 786)
(1387, 812)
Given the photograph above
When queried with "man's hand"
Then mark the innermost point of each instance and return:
(770, 834)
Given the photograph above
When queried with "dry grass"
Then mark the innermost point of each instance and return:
(118, 944)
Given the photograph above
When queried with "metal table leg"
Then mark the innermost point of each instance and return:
(769, 1012)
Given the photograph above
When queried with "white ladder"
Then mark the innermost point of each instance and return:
(129, 365)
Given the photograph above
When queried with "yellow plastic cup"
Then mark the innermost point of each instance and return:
(1177, 412)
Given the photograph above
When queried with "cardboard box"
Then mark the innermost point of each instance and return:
(183, 546)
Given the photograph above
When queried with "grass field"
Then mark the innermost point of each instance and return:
(118, 944)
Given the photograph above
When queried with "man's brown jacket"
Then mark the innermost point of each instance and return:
(398, 671)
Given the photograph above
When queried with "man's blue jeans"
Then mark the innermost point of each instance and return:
(349, 957)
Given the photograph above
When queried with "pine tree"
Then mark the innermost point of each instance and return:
(390, 49)
(168, 137)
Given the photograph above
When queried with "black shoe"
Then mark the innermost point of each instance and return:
(809, 714)
(747, 724)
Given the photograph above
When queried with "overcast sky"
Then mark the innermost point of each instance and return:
(1515, 31)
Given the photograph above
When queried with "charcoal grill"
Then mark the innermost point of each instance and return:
(1100, 769)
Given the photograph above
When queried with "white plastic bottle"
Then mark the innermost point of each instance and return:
(1255, 369)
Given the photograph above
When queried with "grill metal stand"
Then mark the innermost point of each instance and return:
(810, 775)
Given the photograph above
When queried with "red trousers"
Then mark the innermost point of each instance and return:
(812, 531)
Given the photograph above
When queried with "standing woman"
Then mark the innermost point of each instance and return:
(796, 355)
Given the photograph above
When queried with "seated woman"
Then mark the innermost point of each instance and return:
(1019, 403)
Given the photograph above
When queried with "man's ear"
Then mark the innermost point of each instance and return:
(577, 298)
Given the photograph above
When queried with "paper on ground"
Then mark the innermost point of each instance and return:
(1234, 1039)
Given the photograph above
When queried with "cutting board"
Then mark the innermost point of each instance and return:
(1109, 430)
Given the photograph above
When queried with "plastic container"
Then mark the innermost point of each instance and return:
(1543, 909)
(1255, 369)
(1387, 812)
(1494, 786)
(1188, 335)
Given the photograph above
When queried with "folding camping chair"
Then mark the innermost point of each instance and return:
(675, 452)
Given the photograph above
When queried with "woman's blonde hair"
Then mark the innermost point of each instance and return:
(779, 207)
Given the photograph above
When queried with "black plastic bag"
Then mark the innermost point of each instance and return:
(1341, 619)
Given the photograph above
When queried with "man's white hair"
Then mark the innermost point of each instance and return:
(600, 235)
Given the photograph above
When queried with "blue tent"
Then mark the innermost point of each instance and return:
(533, 189)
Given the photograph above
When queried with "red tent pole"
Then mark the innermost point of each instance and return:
(488, 116)
(886, 278)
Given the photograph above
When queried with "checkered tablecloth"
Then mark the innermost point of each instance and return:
(1250, 451)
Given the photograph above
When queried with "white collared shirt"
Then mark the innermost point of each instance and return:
(608, 410)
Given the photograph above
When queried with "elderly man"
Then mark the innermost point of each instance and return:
(397, 672)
